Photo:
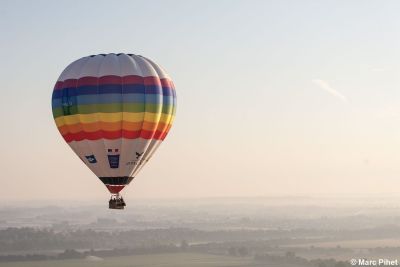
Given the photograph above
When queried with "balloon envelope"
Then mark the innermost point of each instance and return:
(114, 110)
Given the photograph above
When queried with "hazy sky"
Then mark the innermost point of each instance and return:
(274, 97)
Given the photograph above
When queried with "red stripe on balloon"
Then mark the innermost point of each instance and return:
(93, 81)
(133, 79)
(164, 133)
(112, 135)
(59, 85)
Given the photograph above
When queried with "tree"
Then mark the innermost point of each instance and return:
(243, 251)
(290, 254)
(340, 264)
(70, 254)
(232, 251)
(184, 245)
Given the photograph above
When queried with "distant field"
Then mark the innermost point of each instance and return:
(154, 260)
(364, 243)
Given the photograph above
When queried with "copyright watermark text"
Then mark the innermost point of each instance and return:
(377, 262)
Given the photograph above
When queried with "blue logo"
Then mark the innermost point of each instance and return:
(114, 161)
(91, 159)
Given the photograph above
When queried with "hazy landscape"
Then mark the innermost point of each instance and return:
(274, 231)
(288, 111)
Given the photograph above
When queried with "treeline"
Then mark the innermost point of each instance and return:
(74, 254)
(290, 258)
(30, 239)
(287, 258)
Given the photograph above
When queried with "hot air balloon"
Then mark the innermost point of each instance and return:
(114, 111)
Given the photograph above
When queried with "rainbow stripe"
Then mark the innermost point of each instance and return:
(113, 107)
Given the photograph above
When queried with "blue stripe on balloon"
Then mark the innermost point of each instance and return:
(111, 98)
(112, 89)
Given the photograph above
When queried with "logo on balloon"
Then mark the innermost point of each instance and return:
(114, 161)
(138, 155)
(67, 104)
(135, 162)
(91, 159)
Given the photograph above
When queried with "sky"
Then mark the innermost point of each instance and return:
(274, 97)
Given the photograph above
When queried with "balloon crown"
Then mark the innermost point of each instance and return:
(111, 53)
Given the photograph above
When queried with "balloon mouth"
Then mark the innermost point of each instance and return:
(115, 189)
